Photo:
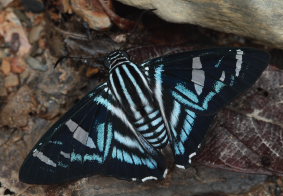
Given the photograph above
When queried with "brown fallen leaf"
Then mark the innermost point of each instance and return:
(91, 71)
(6, 66)
(248, 135)
(18, 65)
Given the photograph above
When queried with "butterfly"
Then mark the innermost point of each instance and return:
(127, 126)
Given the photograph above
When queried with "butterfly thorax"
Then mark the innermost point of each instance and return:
(131, 89)
(115, 58)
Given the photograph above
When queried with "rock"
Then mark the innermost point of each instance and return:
(92, 13)
(4, 3)
(15, 43)
(6, 66)
(91, 71)
(259, 20)
(3, 91)
(18, 65)
(16, 111)
(36, 64)
(24, 76)
(11, 80)
(35, 6)
(9, 25)
(35, 33)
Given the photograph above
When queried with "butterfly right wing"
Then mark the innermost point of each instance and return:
(94, 137)
(191, 87)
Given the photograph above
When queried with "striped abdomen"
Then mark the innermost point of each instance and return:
(131, 89)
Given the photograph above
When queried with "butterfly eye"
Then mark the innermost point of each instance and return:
(107, 62)
(124, 54)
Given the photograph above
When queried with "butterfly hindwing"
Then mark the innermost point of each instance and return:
(94, 137)
(191, 87)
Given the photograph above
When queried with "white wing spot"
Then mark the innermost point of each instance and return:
(66, 155)
(191, 156)
(198, 89)
(222, 78)
(81, 135)
(239, 62)
(71, 125)
(149, 178)
(196, 63)
(198, 80)
(90, 143)
(180, 166)
(198, 76)
(165, 173)
(43, 158)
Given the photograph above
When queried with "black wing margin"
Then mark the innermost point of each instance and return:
(94, 137)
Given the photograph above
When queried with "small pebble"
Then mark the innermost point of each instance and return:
(3, 91)
(4, 3)
(24, 76)
(15, 43)
(121, 38)
(18, 65)
(42, 43)
(36, 64)
(6, 66)
(35, 6)
(11, 80)
(91, 71)
(35, 33)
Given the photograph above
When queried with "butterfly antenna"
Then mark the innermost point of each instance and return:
(71, 57)
(76, 57)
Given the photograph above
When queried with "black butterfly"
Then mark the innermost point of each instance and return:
(123, 127)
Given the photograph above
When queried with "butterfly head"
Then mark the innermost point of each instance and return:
(116, 58)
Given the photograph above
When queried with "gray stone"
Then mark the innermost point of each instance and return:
(11, 80)
(260, 20)
(36, 64)
(3, 91)
(35, 33)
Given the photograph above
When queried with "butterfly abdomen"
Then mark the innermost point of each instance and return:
(153, 129)
(131, 89)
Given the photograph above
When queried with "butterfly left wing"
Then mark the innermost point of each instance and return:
(94, 137)
(191, 87)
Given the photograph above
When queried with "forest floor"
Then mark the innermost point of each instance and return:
(34, 94)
